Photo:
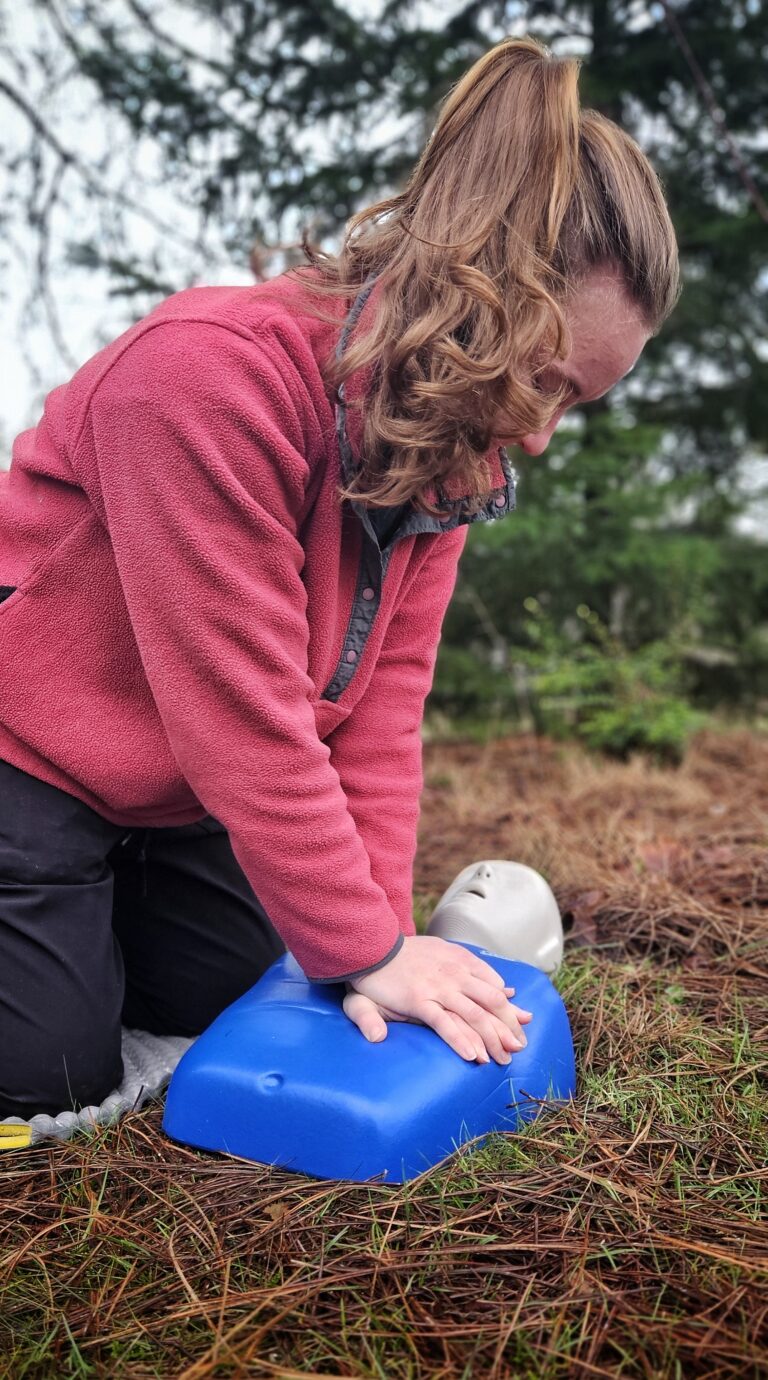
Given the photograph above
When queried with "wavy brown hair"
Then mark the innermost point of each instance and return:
(517, 196)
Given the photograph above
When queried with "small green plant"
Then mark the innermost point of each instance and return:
(657, 726)
(577, 681)
(615, 700)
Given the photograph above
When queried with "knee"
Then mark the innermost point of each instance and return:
(59, 1071)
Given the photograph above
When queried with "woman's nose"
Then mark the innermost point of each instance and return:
(536, 442)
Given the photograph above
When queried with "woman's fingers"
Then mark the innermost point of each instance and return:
(445, 986)
(495, 999)
(453, 1030)
(470, 1030)
(499, 1037)
(487, 1010)
(365, 1014)
(479, 968)
(522, 1015)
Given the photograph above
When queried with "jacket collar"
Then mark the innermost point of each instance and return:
(503, 479)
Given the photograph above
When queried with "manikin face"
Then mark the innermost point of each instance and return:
(504, 907)
(607, 334)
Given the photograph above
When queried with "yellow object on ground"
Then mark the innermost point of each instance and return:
(15, 1137)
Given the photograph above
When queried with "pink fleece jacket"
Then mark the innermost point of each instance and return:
(183, 575)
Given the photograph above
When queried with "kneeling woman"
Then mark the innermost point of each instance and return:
(226, 551)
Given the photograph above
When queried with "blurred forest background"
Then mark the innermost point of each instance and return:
(146, 146)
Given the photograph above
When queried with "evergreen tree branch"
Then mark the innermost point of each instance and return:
(69, 159)
(716, 114)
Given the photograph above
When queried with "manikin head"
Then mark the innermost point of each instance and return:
(506, 908)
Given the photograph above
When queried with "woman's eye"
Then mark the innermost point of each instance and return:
(550, 385)
(547, 382)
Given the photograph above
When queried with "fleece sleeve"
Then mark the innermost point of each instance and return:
(377, 751)
(193, 452)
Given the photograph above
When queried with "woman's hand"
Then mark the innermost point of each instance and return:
(433, 982)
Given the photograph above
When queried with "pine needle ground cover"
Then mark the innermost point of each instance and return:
(622, 1235)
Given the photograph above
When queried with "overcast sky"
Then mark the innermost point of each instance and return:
(88, 315)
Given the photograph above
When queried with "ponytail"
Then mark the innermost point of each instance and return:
(508, 134)
(516, 196)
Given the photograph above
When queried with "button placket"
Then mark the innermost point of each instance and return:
(374, 562)
(365, 606)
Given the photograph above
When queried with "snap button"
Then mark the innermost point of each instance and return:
(368, 593)
(499, 500)
(351, 656)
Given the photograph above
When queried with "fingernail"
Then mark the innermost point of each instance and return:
(483, 1058)
(505, 1059)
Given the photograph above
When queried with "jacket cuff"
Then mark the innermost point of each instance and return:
(363, 972)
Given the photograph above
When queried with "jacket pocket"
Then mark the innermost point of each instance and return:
(328, 715)
(6, 591)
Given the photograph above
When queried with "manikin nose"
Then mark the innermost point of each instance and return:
(478, 882)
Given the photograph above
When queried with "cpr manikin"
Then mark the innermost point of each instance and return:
(500, 906)
(283, 1078)
(506, 908)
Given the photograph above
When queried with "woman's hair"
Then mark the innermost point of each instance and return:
(516, 197)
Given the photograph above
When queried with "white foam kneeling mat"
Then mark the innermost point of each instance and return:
(148, 1062)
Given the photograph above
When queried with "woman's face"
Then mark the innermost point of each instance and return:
(607, 335)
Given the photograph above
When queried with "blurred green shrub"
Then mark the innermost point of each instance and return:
(585, 684)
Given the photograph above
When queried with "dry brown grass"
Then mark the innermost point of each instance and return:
(644, 860)
(622, 1235)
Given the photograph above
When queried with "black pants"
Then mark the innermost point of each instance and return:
(157, 929)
